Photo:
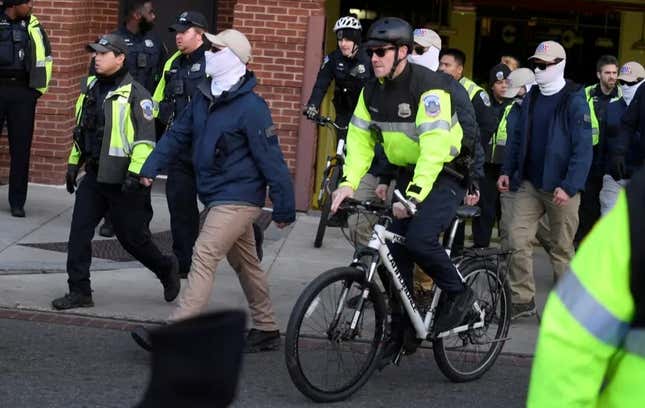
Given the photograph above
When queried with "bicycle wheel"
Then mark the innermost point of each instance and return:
(328, 186)
(466, 356)
(326, 360)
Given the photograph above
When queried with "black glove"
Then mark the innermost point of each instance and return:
(70, 177)
(618, 167)
(131, 184)
(473, 187)
(311, 112)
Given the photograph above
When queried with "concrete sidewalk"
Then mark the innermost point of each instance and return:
(30, 277)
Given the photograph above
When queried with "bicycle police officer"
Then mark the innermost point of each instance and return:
(422, 136)
(113, 157)
(25, 71)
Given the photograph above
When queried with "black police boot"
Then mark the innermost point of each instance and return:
(72, 300)
(456, 310)
(18, 212)
(107, 229)
(171, 282)
(141, 336)
(262, 340)
(259, 240)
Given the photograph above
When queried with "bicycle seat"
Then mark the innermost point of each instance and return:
(467, 211)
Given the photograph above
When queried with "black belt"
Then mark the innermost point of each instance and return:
(15, 81)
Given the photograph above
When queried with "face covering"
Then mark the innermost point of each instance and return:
(551, 80)
(429, 59)
(629, 91)
(224, 68)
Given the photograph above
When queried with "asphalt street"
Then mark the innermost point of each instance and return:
(52, 365)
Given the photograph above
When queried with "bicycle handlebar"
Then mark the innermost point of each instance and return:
(375, 207)
(326, 120)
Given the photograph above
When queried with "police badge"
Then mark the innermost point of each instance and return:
(404, 110)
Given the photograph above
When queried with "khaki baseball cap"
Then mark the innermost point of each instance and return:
(233, 39)
(426, 37)
(549, 51)
(517, 79)
(631, 72)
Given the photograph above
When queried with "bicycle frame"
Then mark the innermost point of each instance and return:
(421, 324)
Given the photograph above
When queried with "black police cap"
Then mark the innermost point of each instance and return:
(189, 19)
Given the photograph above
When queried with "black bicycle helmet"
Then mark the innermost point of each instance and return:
(390, 30)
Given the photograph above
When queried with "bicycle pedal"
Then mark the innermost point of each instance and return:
(397, 358)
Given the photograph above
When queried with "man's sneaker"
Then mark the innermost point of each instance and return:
(456, 310)
(523, 310)
(171, 283)
(107, 229)
(72, 300)
(141, 336)
(261, 340)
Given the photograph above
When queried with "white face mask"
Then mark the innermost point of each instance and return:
(629, 91)
(224, 68)
(551, 80)
(429, 59)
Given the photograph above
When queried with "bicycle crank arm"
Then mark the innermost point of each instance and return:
(460, 329)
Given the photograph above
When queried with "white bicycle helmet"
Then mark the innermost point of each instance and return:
(347, 22)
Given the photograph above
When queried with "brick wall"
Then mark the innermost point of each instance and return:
(225, 14)
(70, 25)
(277, 30)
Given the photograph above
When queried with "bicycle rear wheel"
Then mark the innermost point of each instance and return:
(466, 356)
(326, 360)
(328, 186)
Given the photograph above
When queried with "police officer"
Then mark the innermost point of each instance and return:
(25, 71)
(422, 145)
(599, 96)
(590, 351)
(113, 156)
(144, 59)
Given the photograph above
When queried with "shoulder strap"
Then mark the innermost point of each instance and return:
(636, 206)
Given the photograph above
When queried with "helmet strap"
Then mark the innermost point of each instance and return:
(396, 63)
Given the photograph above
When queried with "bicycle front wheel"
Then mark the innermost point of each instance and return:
(328, 186)
(326, 359)
(466, 356)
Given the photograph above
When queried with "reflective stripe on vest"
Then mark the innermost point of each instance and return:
(595, 127)
(635, 342)
(409, 129)
(122, 130)
(591, 314)
(471, 87)
(42, 72)
(500, 136)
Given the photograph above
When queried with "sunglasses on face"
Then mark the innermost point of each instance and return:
(544, 65)
(419, 50)
(625, 83)
(380, 52)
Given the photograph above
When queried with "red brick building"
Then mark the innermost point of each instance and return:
(278, 31)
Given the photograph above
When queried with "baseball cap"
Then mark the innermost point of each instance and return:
(189, 19)
(631, 72)
(426, 37)
(233, 39)
(517, 79)
(549, 51)
(498, 73)
(107, 43)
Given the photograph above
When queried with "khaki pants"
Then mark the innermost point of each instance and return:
(543, 235)
(227, 232)
(528, 207)
(361, 226)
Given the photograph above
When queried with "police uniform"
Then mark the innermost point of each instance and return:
(182, 73)
(349, 75)
(421, 136)
(145, 57)
(113, 138)
(591, 347)
(25, 72)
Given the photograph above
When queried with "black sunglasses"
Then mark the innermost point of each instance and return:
(626, 83)
(380, 52)
(419, 50)
(544, 65)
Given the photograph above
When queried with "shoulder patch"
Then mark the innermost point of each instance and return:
(432, 105)
(485, 98)
(147, 108)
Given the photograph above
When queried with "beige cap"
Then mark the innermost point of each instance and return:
(549, 51)
(631, 72)
(517, 79)
(233, 39)
(426, 37)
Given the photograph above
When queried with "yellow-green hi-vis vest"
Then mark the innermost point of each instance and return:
(497, 144)
(595, 125)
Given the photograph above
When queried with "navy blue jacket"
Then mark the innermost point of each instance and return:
(568, 143)
(632, 126)
(631, 148)
(235, 150)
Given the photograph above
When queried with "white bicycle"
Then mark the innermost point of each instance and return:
(337, 328)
